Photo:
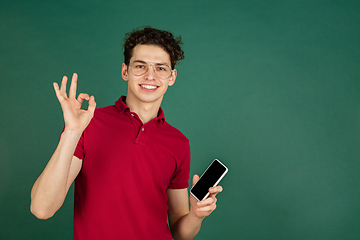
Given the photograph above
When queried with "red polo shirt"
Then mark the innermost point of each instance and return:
(120, 192)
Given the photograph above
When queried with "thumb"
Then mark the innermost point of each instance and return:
(195, 179)
(92, 104)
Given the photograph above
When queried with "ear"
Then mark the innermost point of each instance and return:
(124, 72)
(173, 78)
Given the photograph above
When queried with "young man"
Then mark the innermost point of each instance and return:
(130, 167)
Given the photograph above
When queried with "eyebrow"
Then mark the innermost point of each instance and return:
(141, 61)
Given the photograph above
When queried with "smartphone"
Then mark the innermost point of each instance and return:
(210, 178)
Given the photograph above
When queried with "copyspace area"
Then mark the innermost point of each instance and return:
(271, 88)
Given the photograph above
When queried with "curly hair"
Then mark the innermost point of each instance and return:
(152, 36)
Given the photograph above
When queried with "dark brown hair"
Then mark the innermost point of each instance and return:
(152, 36)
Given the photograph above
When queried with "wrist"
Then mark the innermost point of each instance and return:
(71, 134)
(72, 131)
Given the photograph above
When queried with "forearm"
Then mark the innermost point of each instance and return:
(187, 227)
(50, 189)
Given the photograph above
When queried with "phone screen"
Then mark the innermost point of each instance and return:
(210, 178)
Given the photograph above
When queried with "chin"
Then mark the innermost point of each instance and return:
(151, 99)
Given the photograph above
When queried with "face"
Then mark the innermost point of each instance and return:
(147, 88)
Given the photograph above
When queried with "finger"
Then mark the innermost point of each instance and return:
(92, 105)
(207, 201)
(216, 190)
(57, 92)
(195, 179)
(208, 208)
(82, 97)
(63, 87)
(72, 91)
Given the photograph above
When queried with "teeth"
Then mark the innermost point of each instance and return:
(149, 86)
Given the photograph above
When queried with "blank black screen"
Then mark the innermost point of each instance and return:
(208, 179)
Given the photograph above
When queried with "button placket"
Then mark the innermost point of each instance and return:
(143, 133)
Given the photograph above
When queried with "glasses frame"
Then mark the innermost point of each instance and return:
(153, 66)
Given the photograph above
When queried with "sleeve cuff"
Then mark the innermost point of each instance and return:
(178, 185)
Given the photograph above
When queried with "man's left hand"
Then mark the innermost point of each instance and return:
(205, 207)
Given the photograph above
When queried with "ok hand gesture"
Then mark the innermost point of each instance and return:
(75, 118)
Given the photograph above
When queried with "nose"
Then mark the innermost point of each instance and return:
(150, 74)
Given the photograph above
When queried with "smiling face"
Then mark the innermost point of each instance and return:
(149, 87)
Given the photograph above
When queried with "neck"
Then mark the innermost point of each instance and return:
(145, 111)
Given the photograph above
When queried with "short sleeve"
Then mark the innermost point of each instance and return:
(180, 179)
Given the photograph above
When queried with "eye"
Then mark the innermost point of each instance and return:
(140, 66)
(162, 68)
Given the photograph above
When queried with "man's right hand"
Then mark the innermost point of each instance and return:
(76, 119)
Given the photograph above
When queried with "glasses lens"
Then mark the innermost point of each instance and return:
(139, 68)
(163, 70)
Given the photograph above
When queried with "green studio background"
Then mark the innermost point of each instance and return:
(271, 88)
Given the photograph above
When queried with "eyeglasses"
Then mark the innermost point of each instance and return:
(162, 70)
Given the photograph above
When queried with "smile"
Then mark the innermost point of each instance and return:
(148, 86)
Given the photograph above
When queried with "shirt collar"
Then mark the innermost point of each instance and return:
(123, 108)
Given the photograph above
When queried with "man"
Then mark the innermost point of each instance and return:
(130, 167)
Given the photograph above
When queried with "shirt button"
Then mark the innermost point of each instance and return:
(132, 115)
(143, 129)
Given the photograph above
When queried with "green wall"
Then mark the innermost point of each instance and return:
(271, 88)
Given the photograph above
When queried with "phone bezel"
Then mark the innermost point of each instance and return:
(216, 183)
